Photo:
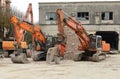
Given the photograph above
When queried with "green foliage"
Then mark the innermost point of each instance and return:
(5, 14)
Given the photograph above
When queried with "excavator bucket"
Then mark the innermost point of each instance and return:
(53, 55)
(21, 58)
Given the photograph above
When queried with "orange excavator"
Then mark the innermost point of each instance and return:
(8, 45)
(41, 42)
(19, 55)
(92, 45)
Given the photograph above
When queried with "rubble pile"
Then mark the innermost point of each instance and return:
(71, 43)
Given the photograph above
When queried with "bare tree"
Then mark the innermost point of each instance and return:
(6, 28)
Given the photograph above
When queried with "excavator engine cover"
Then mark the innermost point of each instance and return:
(21, 58)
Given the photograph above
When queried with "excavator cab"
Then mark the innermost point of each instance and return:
(95, 42)
(50, 41)
(41, 54)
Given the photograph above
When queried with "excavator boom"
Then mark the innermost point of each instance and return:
(19, 33)
(29, 11)
(34, 30)
(74, 25)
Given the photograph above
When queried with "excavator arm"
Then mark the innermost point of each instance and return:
(75, 26)
(29, 11)
(19, 55)
(17, 32)
(33, 29)
(36, 33)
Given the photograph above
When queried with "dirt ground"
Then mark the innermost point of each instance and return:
(68, 69)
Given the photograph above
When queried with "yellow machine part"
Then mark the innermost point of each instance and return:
(9, 45)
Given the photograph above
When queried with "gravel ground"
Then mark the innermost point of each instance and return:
(68, 69)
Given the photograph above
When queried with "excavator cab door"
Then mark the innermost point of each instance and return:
(98, 42)
(41, 54)
(95, 42)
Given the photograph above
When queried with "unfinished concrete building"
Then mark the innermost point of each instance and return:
(102, 18)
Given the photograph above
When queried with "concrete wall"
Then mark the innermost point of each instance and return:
(91, 7)
(52, 29)
(91, 29)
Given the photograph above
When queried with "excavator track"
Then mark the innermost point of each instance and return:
(99, 56)
(78, 56)
(38, 55)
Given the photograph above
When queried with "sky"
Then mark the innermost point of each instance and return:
(22, 5)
